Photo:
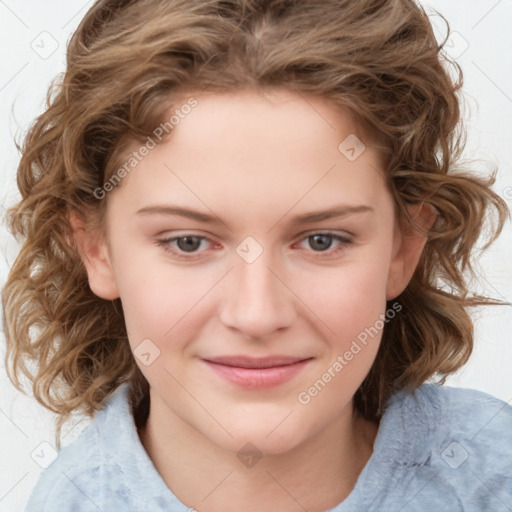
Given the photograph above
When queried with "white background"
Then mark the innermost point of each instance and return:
(481, 42)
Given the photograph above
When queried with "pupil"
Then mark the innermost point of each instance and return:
(322, 242)
(188, 243)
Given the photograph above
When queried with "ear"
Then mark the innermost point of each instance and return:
(94, 253)
(407, 248)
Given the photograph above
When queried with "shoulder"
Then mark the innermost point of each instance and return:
(461, 413)
(452, 448)
(71, 482)
(431, 402)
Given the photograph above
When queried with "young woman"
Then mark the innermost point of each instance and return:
(247, 240)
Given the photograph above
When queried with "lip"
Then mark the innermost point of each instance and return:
(257, 373)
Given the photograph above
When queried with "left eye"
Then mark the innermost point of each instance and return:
(322, 242)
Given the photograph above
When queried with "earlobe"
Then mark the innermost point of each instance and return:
(408, 247)
(94, 253)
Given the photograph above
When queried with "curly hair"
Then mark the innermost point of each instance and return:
(129, 61)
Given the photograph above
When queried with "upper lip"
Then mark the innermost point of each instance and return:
(255, 362)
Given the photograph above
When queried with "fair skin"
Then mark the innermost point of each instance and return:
(255, 162)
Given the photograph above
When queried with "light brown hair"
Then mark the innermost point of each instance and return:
(129, 61)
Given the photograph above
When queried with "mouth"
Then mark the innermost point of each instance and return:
(257, 373)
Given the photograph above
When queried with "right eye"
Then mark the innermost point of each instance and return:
(180, 246)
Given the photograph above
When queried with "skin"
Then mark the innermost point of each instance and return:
(255, 161)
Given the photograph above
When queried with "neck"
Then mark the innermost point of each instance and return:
(316, 475)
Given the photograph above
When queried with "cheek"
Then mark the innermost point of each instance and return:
(158, 300)
(352, 305)
(349, 299)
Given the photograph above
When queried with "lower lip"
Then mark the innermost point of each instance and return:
(258, 378)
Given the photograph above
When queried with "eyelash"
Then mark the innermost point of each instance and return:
(165, 243)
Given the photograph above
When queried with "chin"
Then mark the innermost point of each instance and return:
(260, 445)
(269, 440)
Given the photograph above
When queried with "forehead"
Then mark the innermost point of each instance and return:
(277, 119)
(271, 148)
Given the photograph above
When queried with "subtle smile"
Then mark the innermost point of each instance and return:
(257, 373)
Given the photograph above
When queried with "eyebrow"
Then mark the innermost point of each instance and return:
(337, 211)
(182, 212)
(305, 218)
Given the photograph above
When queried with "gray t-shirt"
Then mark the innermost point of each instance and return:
(441, 449)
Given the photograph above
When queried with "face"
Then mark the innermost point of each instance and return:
(253, 253)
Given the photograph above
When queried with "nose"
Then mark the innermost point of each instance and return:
(258, 301)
